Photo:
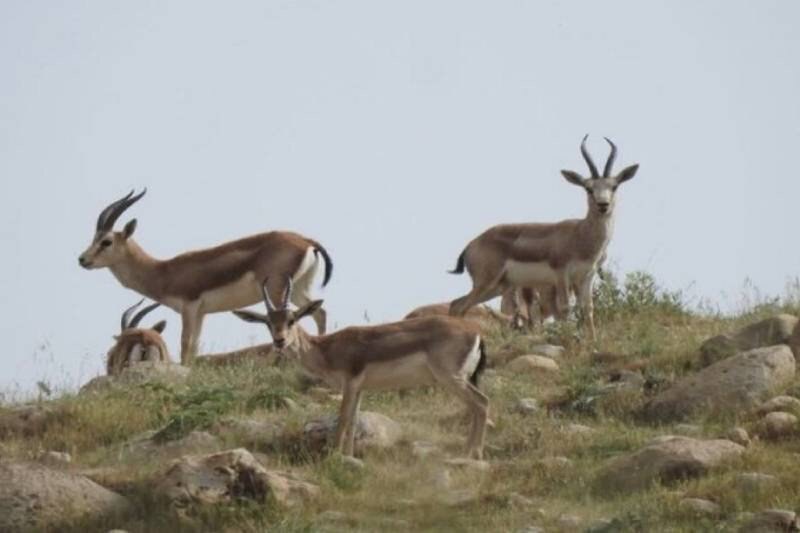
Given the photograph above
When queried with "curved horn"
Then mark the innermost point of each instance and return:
(140, 315)
(287, 292)
(265, 292)
(110, 214)
(123, 323)
(588, 158)
(611, 157)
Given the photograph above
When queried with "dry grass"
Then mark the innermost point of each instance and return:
(651, 329)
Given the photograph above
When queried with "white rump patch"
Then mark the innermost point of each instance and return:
(473, 358)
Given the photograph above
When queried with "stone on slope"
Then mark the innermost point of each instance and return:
(768, 332)
(777, 425)
(373, 431)
(738, 383)
(137, 374)
(533, 364)
(665, 459)
(36, 497)
(772, 521)
(794, 341)
(788, 404)
(228, 476)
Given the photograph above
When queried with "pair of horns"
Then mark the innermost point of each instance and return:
(588, 158)
(109, 215)
(126, 322)
(287, 291)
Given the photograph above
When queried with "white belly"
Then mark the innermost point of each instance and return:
(403, 373)
(241, 293)
(525, 274)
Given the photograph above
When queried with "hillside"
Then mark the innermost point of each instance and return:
(578, 442)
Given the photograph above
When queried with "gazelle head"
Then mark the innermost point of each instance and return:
(135, 344)
(108, 246)
(601, 189)
(280, 320)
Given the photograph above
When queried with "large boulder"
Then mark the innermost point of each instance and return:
(738, 383)
(139, 373)
(772, 521)
(35, 497)
(794, 341)
(228, 476)
(373, 431)
(768, 332)
(665, 459)
(536, 365)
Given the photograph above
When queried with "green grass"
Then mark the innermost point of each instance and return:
(652, 330)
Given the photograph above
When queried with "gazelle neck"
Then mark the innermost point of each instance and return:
(597, 228)
(139, 272)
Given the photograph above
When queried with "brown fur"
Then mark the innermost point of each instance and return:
(117, 359)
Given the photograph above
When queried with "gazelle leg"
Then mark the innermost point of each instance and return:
(587, 304)
(350, 434)
(192, 324)
(477, 295)
(477, 404)
(351, 394)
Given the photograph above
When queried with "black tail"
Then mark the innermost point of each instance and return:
(481, 365)
(459, 269)
(328, 262)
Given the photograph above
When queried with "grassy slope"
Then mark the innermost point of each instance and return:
(636, 319)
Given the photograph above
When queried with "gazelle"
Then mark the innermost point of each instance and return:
(135, 344)
(563, 254)
(410, 353)
(262, 354)
(211, 280)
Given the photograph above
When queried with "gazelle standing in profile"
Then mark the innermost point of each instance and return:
(416, 352)
(563, 254)
(135, 344)
(211, 280)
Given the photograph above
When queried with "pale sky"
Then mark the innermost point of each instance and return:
(393, 133)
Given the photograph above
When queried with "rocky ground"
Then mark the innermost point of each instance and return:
(673, 421)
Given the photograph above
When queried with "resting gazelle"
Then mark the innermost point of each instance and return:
(135, 344)
(435, 350)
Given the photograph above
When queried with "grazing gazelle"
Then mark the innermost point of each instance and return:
(563, 254)
(410, 353)
(135, 344)
(211, 280)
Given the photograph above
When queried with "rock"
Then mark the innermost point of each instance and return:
(144, 445)
(794, 341)
(700, 507)
(422, 449)
(526, 406)
(772, 521)
(250, 432)
(373, 431)
(533, 364)
(777, 425)
(352, 462)
(666, 459)
(548, 350)
(137, 374)
(33, 496)
(469, 464)
(738, 383)
(769, 332)
(228, 476)
(788, 404)
(739, 436)
(626, 380)
(568, 522)
(56, 459)
(577, 429)
(25, 420)
(754, 481)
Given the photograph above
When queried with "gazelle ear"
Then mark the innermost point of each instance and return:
(308, 309)
(573, 177)
(129, 228)
(160, 326)
(250, 316)
(627, 173)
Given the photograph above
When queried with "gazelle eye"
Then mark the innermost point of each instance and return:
(105, 243)
(291, 322)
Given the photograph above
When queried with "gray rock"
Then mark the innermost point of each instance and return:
(772, 521)
(577, 429)
(533, 365)
(526, 406)
(55, 459)
(250, 432)
(700, 507)
(739, 436)
(777, 425)
(788, 404)
(33, 496)
(568, 522)
(769, 332)
(372, 431)
(738, 383)
(230, 475)
(548, 350)
(665, 460)
(137, 374)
